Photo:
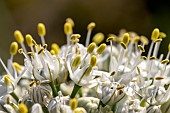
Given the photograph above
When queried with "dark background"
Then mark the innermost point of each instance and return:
(141, 16)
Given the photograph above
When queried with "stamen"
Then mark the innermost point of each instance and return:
(165, 61)
(67, 28)
(155, 34)
(22, 108)
(159, 78)
(76, 61)
(90, 27)
(144, 57)
(73, 104)
(52, 52)
(91, 47)
(6, 69)
(125, 40)
(29, 40)
(162, 35)
(7, 80)
(144, 40)
(141, 48)
(13, 48)
(152, 58)
(69, 20)
(101, 48)
(30, 54)
(120, 87)
(17, 66)
(93, 61)
(75, 36)
(41, 32)
(41, 50)
(19, 37)
(98, 38)
(55, 47)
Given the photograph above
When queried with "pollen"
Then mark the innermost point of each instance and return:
(162, 35)
(120, 87)
(136, 39)
(75, 36)
(52, 52)
(155, 34)
(101, 48)
(141, 48)
(91, 47)
(98, 38)
(126, 38)
(7, 79)
(73, 104)
(20, 51)
(22, 108)
(67, 28)
(158, 40)
(55, 47)
(144, 57)
(152, 58)
(91, 26)
(76, 61)
(13, 48)
(159, 78)
(41, 29)
(93, 61)
(18, 36)
(165, 61)
(17, 66)
(29, 40)
(111, 38)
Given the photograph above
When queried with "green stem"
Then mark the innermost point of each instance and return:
(45, 109)
(80, 92)
(114, 108)
(75, 90)
(54, 89)
(14, 96)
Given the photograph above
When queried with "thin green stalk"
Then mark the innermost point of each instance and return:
(14, 96)
(54, 89)
(75, 90)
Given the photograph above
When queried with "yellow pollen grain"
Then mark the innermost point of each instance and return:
(76, 61)
(7, 79)
(155, 34)
(67, 28)
(98, 38)
(18, 36)
(126, 38)
(101, 48)
(41, 29)
(91, 26)
(91, 47)
(93, 61)
(17, 66)
(13, 48)
(22, 108)
(73, 104)
(29, 40)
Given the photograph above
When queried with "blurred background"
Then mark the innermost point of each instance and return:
(141, 16)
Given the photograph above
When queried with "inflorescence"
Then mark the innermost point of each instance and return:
(90, 78)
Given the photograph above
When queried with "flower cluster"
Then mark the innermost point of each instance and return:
(95, 78)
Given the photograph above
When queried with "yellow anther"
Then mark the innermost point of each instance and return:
(45, 46)
(75, 36)
(41, 29)
(123, 45)
(52, 52)
(79, 110)
(155, 34)
(73, 104)
(91, 47)
(30, 54)
(138, 69)
(76, 41)
(20, 51)
(67, 28)
(136, 39)
(126, 39)
(98, 38)
(144, 40)
(91, 26)
(7, 80)
(18, 36)
(159, 78)
(34, 42)
(93, 61)
(113, 73)
(101, 48)
(69, 20)
(29, 40)
(141, 48)
(152, 58)
(13, 48)
(76, 61)
(111, 38)
(169, 47)
(162, 35)
(55, 47)
(144, 57)
(120, 87)
(17, 66)
(41, 50)
(22, 108)
(165, 61)
(158, 40)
